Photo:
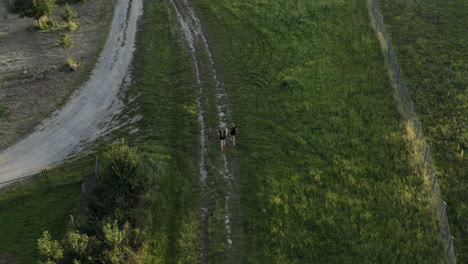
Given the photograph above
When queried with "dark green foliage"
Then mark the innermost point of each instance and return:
(34, 8)
(122, 190)
(113, 227)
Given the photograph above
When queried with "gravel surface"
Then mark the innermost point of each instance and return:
(88, 113)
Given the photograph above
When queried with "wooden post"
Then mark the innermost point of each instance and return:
(435, 180)
(95, 165)
(72, 221)
(442, 212)
(45, 177)
(419, 130)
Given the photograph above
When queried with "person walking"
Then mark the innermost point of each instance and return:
(222, 137)
(233, 134)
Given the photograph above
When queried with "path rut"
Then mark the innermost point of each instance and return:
(194, 36)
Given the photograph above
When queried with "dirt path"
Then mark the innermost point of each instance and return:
(89, 112)
(194, 36)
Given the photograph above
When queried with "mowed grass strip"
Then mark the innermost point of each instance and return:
(432, 45)
(321, 150)
(166, 97)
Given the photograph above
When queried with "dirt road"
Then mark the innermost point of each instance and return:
(89, 112)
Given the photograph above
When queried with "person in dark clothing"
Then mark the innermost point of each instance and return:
(222, 137)
(233, 134)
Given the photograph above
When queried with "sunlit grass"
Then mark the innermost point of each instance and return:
(321, 147)
(430, 40)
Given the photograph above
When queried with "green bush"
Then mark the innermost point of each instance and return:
(69, 14)
(65, 41)
(46, 23)
(34, 8)
(72, 26)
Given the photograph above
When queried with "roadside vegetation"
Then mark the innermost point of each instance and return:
(321, 150)
(111, 227)
(431, 43)
(28, 208)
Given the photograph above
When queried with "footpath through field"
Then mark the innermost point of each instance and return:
(212, 98)
(89, 112)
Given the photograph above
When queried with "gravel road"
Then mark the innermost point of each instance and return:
(89, 112)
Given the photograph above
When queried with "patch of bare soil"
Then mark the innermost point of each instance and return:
(33, 79)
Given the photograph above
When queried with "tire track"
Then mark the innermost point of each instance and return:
(192, 31)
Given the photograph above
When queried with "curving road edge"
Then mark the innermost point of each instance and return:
(90, 109)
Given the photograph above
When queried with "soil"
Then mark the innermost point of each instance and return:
(91, 110)
(33, 78)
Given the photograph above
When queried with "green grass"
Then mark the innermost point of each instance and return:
(321, 151)
(29, 208)
(4, 110)
(166, 98)
(430, 38)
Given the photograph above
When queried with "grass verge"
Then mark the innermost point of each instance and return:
(28, 208)
(165, 95)
(321, 149)
(430, 40)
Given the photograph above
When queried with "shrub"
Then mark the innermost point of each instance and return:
(71, 63)
(69, 14)
(45, 23)
(34, 8)
(72, 26)
(49, 248)
(65, 41)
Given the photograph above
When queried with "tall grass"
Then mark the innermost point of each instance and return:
(431, 42)
(321, 148)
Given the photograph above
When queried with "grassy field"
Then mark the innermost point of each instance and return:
(166, 97)
(321, 153)
(27, 209)
(321, 150)
(431, 42)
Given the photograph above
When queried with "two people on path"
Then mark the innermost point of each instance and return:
(224, 131)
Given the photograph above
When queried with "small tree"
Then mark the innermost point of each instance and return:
(35, 8)
(49, 248)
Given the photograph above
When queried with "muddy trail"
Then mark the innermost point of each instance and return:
(91, 110)
(216, 179)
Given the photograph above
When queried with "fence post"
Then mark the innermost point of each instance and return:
(419, 130)
(435, 180)
(442, 212)
(449, 246)
(72, 221)
(426, 154)
(95, 165)
(45, 176)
